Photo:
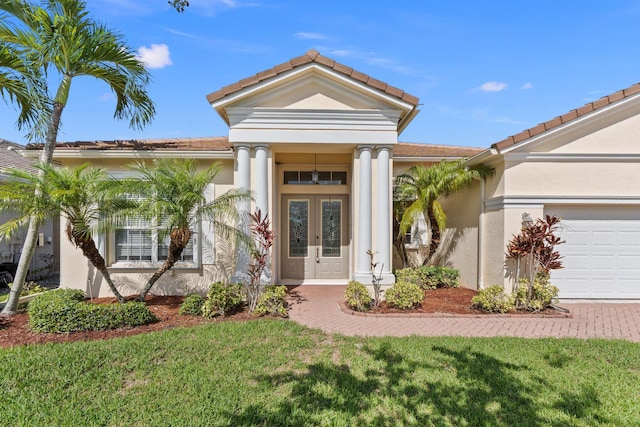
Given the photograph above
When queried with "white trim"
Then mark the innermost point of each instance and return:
(589, 119)
(131, 154)
(435, 159)
(281, 79)
(570, 157)
(538, 202)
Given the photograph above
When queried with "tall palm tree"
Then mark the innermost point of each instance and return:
(426, 186)
(62, 39)
(171, 193)
(80, 194)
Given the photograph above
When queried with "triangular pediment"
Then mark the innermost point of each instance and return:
(314, 91)
(312, 83)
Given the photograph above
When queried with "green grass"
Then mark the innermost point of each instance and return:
(277, 373)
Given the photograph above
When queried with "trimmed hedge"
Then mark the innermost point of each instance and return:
(65, 310)
(494, 300)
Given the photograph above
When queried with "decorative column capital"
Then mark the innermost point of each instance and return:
(381, 148)
(362, 148)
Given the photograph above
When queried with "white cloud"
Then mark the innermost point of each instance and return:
(156, 56)
(107, 96)
(492, 86)
(310, 36)
(526, 86)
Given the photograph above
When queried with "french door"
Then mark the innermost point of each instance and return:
(315, 237)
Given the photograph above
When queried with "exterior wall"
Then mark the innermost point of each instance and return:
(459, 245)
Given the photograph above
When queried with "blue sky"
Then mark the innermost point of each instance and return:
(483, 70)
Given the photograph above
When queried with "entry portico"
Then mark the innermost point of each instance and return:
(313, 141)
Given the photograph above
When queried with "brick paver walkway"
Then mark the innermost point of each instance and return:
(317, 307)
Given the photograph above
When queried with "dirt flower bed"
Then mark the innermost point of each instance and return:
(450, 301)
(14, 330)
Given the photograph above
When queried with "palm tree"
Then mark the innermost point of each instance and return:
(426, 186)
(171, 193)
(80, 194)
(63, 39)
(21, 85)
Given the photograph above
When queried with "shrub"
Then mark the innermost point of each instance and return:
(272, 301)
(404, 295)
(494, 300)
(223, 299)
(536, 296)
(440, 277)
(430, 277)
(356, 296)
(191, 305)
(65, 310)
(411, 275)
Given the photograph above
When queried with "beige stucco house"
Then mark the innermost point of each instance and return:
(317, 143)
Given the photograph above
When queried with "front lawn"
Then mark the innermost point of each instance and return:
(277, 373)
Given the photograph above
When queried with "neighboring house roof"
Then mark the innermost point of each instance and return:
(166, 144)
(11, 158)
(312, 56)
(412, 150)
(568, 117)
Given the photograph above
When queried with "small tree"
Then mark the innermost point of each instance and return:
(263, 235)
(426, 186)
(171, 192)
(79, 194)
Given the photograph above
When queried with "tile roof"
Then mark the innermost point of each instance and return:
(10, 158)
(568, 117)
(405, 149)
(220, 143)
(312, 56)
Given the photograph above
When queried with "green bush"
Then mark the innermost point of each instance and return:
(65, 310)
(272, 302)
(191, 305)
(404, 295)
(356, 296)
(411, 275)
(536, 296)
(430, 277)
(223, 299)
(440, 277)
(494, 300)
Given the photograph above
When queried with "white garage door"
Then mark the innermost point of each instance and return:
(601, 256)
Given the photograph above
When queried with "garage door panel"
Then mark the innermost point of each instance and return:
(601, 257)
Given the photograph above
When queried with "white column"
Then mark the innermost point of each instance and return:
(243, 162)
(243, 158)
(383, 216)
(363, 266)
(262, 178)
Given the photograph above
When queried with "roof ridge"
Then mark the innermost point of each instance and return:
(310, 56)
(567, 117)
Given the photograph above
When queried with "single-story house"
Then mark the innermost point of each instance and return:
(46, 257)
(317, 143)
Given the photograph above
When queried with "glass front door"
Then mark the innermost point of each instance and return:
(315, 240)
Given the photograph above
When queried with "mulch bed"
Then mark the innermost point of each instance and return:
(443, 302)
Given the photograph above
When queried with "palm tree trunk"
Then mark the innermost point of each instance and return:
(29, 246)
(88, 247)
(179, 239)
(436, 235)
